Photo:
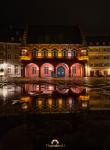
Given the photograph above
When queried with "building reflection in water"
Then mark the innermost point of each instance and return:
(50, 98)
(10, 92)
(54, 98)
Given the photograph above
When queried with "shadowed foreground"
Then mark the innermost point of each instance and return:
(86, 130)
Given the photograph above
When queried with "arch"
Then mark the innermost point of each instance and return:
(44, 52)
(62, 70)
(31, 70)
(73, 53)
(46, 70)
(77, 70)
(34, 52)
(65, 53)
(54, 52)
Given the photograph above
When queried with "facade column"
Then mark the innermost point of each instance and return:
(69, 71)
(39, 71)
(22, 70)
(85, 70)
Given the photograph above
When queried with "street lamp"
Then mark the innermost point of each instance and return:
(2, 70)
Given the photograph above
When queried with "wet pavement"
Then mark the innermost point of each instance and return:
(76, 115)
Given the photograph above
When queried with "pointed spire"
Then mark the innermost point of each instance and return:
(25, 34)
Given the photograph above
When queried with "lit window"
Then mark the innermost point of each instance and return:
(44, 52)
(33, 70)
(46, 69)
(24, 52)
(16, 70)
(64, 53)
(74, 70)
(55, 52)
(34, 52)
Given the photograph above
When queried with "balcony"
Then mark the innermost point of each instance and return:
(86, 58)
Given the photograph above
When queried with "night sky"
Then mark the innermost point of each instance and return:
(93, 16)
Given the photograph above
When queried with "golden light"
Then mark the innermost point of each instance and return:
(83, 58)
(25, 58)
(83, 98)
(40, 103)
(39, 55)
(84, 105)
(49, 55)
(60, 102)
(59, 55)
(25, 99)
(50, 102)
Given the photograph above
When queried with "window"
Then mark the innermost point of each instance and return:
(9, 56)
(9, 70)
(24, 52)
(34, 52)
(46, 69)
(64, 53)
(33, 70)
(44, 52)
(54, 52)
(74, 70)
(16, 70)
(73, 52)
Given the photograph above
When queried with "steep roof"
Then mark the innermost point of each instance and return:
(54, 34)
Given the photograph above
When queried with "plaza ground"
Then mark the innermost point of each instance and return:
(85, 130)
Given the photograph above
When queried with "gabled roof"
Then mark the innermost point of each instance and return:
(54, 34)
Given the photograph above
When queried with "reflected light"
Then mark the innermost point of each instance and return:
(60, 102)
(84, 105)
(25, 99)
(51, 87)
(50, 102)
(83, 98)
(40, 103)
(24, 106)
(59, 55)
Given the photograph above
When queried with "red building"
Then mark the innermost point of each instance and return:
(53, 52)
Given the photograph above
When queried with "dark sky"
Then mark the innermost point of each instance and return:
(93, 16)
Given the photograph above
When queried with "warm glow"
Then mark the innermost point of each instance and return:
(83, 58)
(84, 105)
(69, 55)
(25, 99)
(49, 55)
(60, 102)
(25, 58)
(40, 103)
(39, 55)
(59, 54)
(24, 106)
(83, 98)
(50, 68)
(51, 88)
(50, 102)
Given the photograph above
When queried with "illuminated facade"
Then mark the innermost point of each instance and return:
(99, 61)
(98, 48)
(53, 52)
(10, 64)
(53, 60)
